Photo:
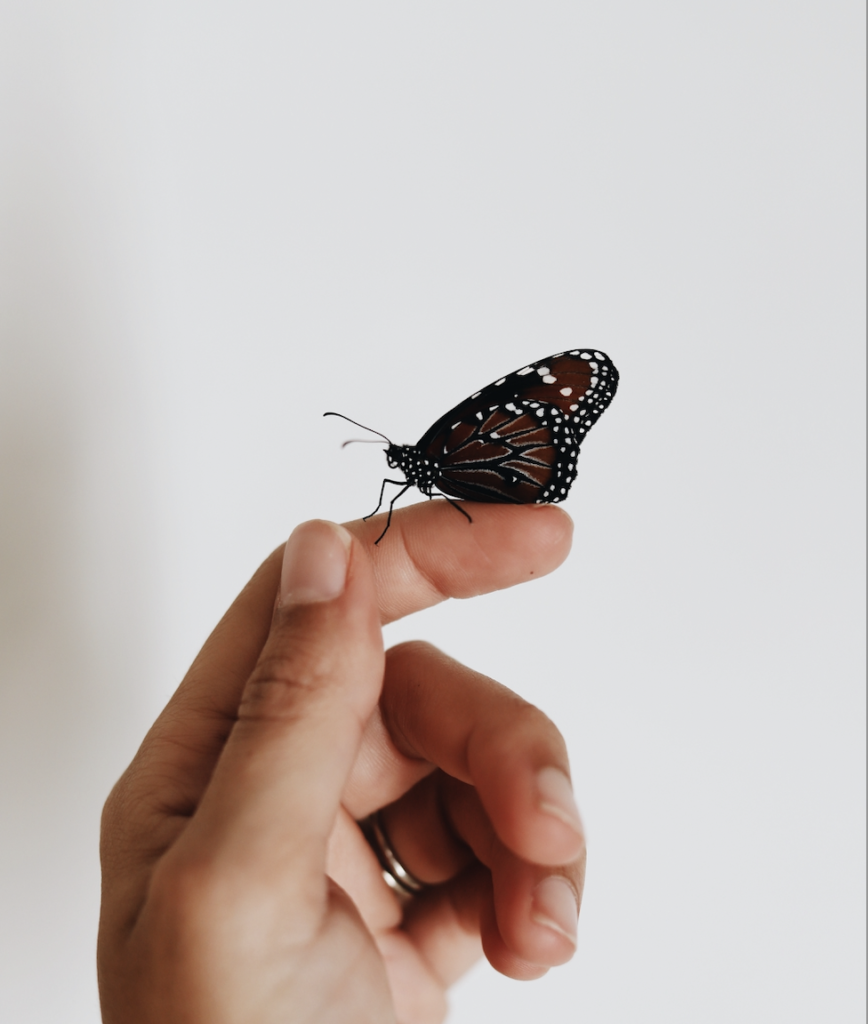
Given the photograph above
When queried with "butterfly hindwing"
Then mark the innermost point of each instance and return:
(523, 452)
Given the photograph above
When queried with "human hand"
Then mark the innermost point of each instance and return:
(238, 888)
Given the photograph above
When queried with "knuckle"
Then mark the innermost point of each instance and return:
(280, 680)
(187, 881)
(112, 808)
(575, 873)
(111, 827)
(205, 900)
(185, 891)
(525, 728)
(412, 649)
(533, 723)
(425, 569)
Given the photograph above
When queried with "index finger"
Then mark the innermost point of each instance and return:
(429, 554)
(432, 553)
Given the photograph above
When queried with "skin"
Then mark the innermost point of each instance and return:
(237, 888)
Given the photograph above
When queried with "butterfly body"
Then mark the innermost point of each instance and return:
(418, 471)
(515, 441)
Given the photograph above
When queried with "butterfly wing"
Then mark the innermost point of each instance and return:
(522, 453)
(518, 439)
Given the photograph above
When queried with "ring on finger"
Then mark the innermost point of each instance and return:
(401, 881)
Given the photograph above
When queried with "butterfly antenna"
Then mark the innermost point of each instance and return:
(362, 440)
(357, 424)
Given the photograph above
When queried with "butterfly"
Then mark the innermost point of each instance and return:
(515, 441)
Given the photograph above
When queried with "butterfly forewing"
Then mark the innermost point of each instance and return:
(518, 439)
(581, 383)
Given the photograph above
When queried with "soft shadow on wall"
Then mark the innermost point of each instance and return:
(74, 582)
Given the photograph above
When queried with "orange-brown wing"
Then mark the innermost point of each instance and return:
(518, 439)
(581, 383)
(522, 453)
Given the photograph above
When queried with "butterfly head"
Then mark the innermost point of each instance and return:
(395, 456)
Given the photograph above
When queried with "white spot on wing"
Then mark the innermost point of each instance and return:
(549, 379)
(497, 383)
(542, 370)
(527, 369)
(566, 392)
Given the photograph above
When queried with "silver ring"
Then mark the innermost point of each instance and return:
(402, 882)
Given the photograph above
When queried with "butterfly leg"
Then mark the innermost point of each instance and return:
(460, 509)
(406, 487)
(400, 483)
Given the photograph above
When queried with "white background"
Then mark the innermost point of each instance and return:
(220, 220)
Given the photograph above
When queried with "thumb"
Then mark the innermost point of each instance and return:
(274, 795)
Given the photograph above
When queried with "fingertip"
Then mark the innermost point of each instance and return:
(558, 522)
(553, 534)
(521, 542)
(530, 823)
(431, 551)
(315, 561)
(536, 910)
(500, 956)
(555, 796)
(555, 909)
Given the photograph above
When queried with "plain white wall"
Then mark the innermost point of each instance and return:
(220, 220)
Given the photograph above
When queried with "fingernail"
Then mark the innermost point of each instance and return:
(553, 905)
(314, 563)
(555, 797)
